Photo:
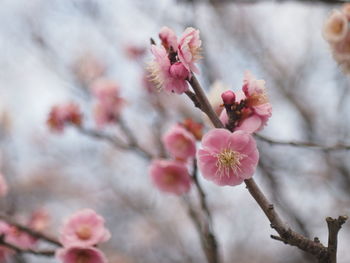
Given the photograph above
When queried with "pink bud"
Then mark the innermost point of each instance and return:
(178, 71)
(228, 97)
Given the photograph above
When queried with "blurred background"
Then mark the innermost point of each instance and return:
(51, 52)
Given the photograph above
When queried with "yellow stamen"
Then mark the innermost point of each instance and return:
(229, 160)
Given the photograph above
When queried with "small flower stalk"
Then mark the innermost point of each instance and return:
(336, 32)
(174, 61)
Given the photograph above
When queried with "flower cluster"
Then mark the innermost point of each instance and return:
(336, 31)
(60, 115)
(37, 222)
(229, 158)
(174, 61)
(109, 103)
(80, 235)
(180, 141)
(249, 109)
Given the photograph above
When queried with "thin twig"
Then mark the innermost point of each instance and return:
(211, 245)
(336, 147)
(115, 141)
(30, 231)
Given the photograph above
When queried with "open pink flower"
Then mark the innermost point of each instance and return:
(168, 38)
(227, 158)
(170, 176)
(60, 115)
(84, 228)
(170, 76)
(109, 103)
(3, 186)
(180, 143)
(78, 254)
(189, 49)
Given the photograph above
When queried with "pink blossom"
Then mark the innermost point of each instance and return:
(164, 74)
(346, 10)
(39, 220)
(3, 186)
(189, 49)
(335, 27)
(180, 143)
(16, 237)
(170, 176)
(257, 108)
(168, 38)
(60, 115)
(84, 228)
(78, 254)
(109, 104)
(195, 128)
(227, 158)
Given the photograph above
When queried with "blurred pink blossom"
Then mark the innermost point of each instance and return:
(227, 158)
(60, 115)
(84, 228)
(109, 103)
(180, 143)
(335, 27)
(78, 254)
(170, 176)
(189, 49)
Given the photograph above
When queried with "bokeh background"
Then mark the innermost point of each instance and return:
(51, 51)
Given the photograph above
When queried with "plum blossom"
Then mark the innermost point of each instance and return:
(77, 254)
(84, 228)
(60, 115)
(335, 27)
(252, 107)
(189, 48)
(164, 74)
(109, 103)
(193, 127)
(3, 186)
(170, 176)
(16, 237)
(168, 38)
(227, 158)
(336, 31)
(180, 143)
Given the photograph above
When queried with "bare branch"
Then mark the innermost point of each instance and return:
(336, 147)
(334, 225)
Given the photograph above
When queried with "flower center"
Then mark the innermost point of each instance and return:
(229, 160)
(84, 232)
(170, 178)
(83, 257)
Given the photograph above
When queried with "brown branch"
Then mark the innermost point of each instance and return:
(287, 235)
(336, 147)
(210, 245)
(116, 142)
(203, 101)
(334, 225)
(17, 249)
(30, 231)
(330, 2)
